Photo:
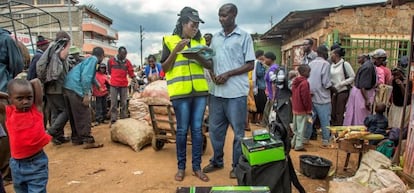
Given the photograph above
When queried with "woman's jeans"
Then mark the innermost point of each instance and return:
(189, 113)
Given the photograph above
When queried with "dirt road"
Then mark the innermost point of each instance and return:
(116, 168)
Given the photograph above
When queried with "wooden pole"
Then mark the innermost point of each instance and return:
(396, 158)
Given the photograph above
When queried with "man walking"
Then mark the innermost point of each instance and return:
(52, 69)
(118, 68)
(228, 100)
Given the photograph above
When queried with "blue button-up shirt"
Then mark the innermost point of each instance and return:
(232, 51)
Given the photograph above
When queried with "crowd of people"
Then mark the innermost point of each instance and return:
(314, 90)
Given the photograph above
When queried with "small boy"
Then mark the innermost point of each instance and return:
(101, 94)
(24, 124)
(301, 106)
(377, 123)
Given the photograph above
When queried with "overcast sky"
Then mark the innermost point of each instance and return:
(158, 17)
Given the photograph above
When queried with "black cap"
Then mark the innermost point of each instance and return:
(190, 13)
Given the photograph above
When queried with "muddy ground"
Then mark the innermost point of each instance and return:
(117, 168)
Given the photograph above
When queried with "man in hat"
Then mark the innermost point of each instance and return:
(42, 44)
(74, 56)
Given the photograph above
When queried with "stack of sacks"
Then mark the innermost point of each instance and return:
(137, 107)
(156, 93)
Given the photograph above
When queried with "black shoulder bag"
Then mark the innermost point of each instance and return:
(348, 86)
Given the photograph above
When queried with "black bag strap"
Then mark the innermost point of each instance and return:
(344, 69)
(294, 177)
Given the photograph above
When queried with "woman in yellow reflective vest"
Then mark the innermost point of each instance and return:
(187, 87)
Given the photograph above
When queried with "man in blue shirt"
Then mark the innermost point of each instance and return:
(78, 85)
(228, 99)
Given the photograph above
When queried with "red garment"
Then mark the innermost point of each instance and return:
(301, 97)
(119, 71)
(387, 75)
(102, 80)
(26, 132)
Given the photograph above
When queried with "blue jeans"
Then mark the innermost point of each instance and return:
(222, 112)
(30, 175)
(323, 111)
(189, 112)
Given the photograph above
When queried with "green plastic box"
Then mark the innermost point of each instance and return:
(261, 134)
(224, 189)
(262, 152)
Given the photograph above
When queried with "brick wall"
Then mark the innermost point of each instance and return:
(373, 20)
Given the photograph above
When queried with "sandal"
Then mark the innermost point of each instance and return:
(93, 145)
(202, 176)
(179, 176)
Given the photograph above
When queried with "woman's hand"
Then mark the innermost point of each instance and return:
(180, 46)
(367, 105)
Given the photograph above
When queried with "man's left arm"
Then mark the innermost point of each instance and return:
(130, 70)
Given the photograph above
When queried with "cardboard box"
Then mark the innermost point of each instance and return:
(224, 189)
(261, 152)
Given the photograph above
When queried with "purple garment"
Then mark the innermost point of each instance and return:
(356, 112)
(272, 68)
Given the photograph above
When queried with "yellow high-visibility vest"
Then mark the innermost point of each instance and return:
(186, 77)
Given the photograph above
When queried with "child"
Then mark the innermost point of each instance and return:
(377, 123)
(301, 106)
(291, 76)
(101, 94)
(24, 123)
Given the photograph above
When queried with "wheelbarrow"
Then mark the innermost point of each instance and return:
(165, 128)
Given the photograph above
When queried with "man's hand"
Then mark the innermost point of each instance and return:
(86, 100)
(222, 78)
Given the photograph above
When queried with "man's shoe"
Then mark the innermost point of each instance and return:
(77, 142)
(88, 139)
(211, 168)
(60, 140)
(232, 174)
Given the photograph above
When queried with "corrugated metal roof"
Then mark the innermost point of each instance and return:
(296, 19)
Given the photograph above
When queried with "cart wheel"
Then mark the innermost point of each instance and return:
(157, 144)
(204, 144)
